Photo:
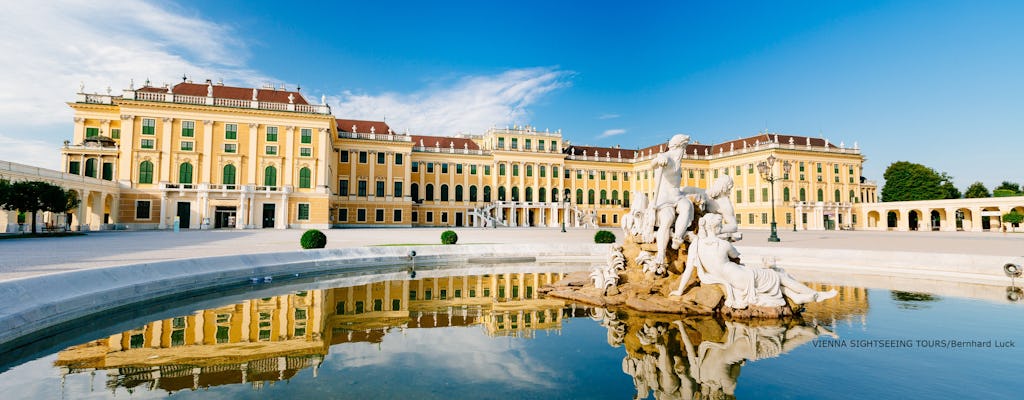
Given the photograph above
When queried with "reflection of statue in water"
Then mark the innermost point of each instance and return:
(712, 258)
(700, 358)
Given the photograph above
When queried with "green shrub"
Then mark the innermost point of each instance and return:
(449, 237)
(313, 239)
(604, 237)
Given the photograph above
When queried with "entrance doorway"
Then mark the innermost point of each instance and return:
(458, 219)
(268, 214)
(184, 214)
(224, 217)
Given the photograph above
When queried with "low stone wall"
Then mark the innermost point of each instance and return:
(31, 305)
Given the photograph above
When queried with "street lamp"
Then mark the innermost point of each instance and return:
(768, 174)
(565, 200)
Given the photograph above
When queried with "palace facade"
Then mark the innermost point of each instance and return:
(210, 156)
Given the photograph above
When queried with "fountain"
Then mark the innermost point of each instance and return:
(678, 256)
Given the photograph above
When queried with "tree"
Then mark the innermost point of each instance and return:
(977, 190)
(1013, 217)
(1003, 193)
(33, 196)
(1010, 186)
(905, 181)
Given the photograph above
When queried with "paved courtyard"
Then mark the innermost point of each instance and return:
(30, 257)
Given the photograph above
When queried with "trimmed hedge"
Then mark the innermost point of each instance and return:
(604, 237)
(313, 239)
(449, 237)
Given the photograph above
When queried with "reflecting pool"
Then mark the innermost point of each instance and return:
(491, 335)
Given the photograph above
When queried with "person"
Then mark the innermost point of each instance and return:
(711, 257)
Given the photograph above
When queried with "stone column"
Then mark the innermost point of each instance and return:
(163, 210)
(976, 220)
(127, 144)
(166, 136)
(205, 159)
(512, 215)
(281, 219)
(324, 164)
(241, 216)
(96, 212)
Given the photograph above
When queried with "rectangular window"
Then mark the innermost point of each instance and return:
(231, 131)
(271, 150)
(430, 167)
(361, 189)
(380, 189)
(415, 216)
(789, 218)
(230, 148)
(415, 166)
(188, 128)
(738, 171)
(501, 143)
(444, 217)
(819, 168)
(527, 147)
(590, 174)
(343, 187)
(148, 143)
(344, 156)
(750, 169)
(515, 143)
(271, 133)
(714, 173)
(303, 211)
(540, 145)
(397, 189)
(430, 216)
(187, 145)
(380, 157)
(750, 195)
(764, 194)
(764, 218)
(379, 215)
(397, 216)
(142, 209)
(739, 196)
(444, 294)
(603, 176)
(115, 133)
(615, 176)
(444, 168)
(92, 132)
(750, 218)
(625, 176)
(566, 174)
(487, 169)
(305, 152)
(801, 166)
(306, 136)
(74, 167)
(805, 217)
(399, 158)
(361, 215)
(362, 157)
(553, 148)
(343, 214)
(148, 126)
(472, 169)
(458, 169)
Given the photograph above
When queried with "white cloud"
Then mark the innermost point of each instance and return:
(52, 47)
(470, 105)
(608, 116)
(612, 132)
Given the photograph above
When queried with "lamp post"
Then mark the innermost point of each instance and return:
(565, 214)
(768, 174)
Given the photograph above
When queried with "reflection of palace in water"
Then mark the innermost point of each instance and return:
(271, 339)
(265, 340)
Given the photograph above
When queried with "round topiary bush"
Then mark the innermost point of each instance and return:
(313, 239)
(604, 237)
(449, 237)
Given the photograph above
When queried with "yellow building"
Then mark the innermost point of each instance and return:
(206, 156)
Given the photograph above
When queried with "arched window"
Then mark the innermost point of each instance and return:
(837, 196)
(270, 176)
(554, 195)
(615, 197)
(625, 198)
(444, 192)
(185, 173)
(229, 175)
(803, 194)
(590, 196)
(821, 195)
(604, 196)
(472, 193)
(90, 167)
(785, 194)
(415, 188)
(304, 177)
(529, 194)
(579, 196)
(542, 194)
(430, 192)
(487, 194)
(146, 172)
(515, 194)
(501, 193)
(458, 192)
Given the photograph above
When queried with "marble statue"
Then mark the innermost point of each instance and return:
(711, 257)
(670, 211)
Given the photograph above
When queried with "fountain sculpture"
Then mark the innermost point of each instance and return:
(678, 256)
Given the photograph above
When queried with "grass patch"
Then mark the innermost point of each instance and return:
(39, 235)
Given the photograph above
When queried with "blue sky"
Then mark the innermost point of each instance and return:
(933, 82)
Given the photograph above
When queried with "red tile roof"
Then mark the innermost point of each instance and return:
(444, 142)
(362, 126)
(230, 92)
(766, 138)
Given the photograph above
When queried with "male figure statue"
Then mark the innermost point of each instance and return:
(669, 208)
